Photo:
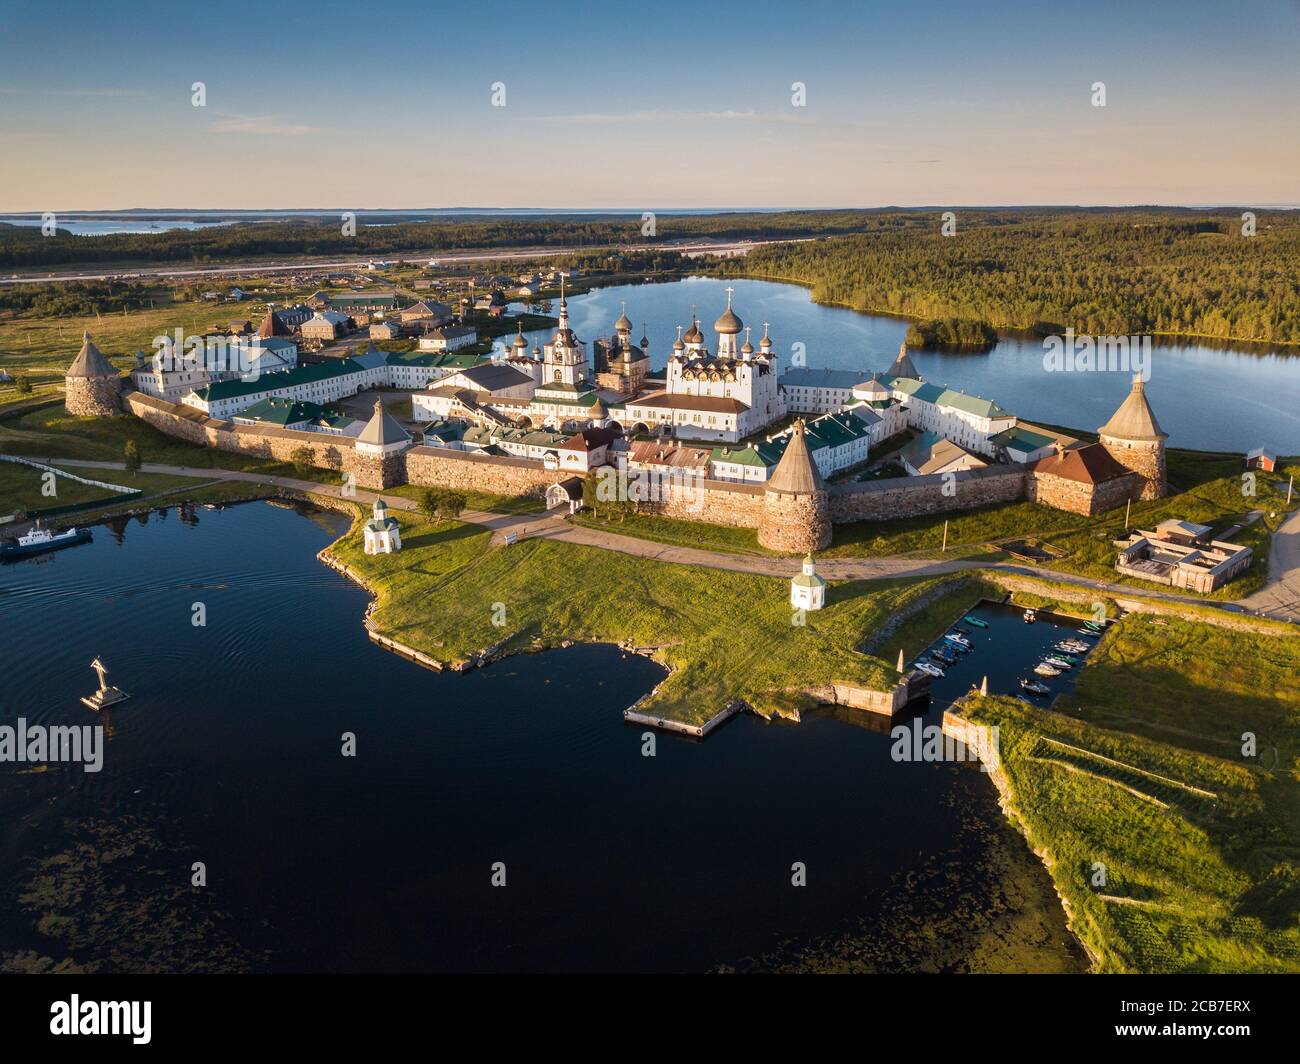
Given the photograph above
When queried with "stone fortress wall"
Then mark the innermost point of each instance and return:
(785, 523)
(881, 500)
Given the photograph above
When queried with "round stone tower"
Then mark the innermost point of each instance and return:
(92, 386)
(1134, 438)
(796, 513)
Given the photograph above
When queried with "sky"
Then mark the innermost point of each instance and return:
(657, 106)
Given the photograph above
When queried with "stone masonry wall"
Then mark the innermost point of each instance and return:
(92, 396)
(1061, 493)
(882, 500)
(1147, 460)
(795, 523)
(715, 502)
(275, 444)
(442, 467)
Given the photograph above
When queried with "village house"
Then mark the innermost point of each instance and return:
(448, 338)
(325, 325)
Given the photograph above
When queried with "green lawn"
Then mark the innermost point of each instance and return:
(51, 432)
(676, 533)
(1192, 884)
(725, 635)
(21, 487)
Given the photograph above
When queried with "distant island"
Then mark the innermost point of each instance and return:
(951, 334)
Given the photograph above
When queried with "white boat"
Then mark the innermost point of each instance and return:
(928, 669)
(39, 540)
(958, 638)
(1031, 615)
(1043, 669)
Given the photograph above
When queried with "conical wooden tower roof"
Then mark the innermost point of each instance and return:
(1134, 420)
(382, 429)
(796, 473)
(89, 362)
(903, 365)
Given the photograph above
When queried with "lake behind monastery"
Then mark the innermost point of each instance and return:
(1206, 397)
(228, 753)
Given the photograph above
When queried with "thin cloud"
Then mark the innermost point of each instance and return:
(596, 118)
(112, 93)
(262, 125)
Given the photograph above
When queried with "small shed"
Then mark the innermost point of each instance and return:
(1261, 459)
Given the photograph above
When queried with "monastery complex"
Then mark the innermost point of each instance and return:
(720, 432)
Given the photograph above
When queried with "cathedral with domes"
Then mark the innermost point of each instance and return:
(721, 395)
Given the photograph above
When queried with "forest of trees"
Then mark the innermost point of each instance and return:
(952, 334)
(77, 299)
(24, 246)
(1101, 272)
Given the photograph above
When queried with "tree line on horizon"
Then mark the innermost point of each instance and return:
(1105, 274)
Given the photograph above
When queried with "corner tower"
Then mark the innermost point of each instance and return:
(1134, 438)
(796, 511)
(92, 386)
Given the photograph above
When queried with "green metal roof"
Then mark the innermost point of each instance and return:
(268, 382)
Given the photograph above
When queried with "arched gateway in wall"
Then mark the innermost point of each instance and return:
(565, 493)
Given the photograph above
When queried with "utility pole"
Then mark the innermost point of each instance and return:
(1128, 508)
(1290, 485)
(945, 538)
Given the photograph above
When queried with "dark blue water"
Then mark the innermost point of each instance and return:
(228, 753)
(1004, 652)
(1206, 397)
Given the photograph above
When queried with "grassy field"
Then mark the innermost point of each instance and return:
(51, 432)
(725, 635)
(21, 487)
(42, 348)
(1192, 883)
(676, 533)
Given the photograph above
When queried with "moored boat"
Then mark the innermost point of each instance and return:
(1044, 669)
(975, 621)
(40, 540)
(1034, 687)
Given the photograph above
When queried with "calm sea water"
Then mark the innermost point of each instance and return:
(228, 753)
(1205, 397)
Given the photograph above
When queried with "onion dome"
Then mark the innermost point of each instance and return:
(520, 343)
(728, 324)
(624, 323)
(766, 342)
(645, 342)
(677, 344)
(746, 348)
